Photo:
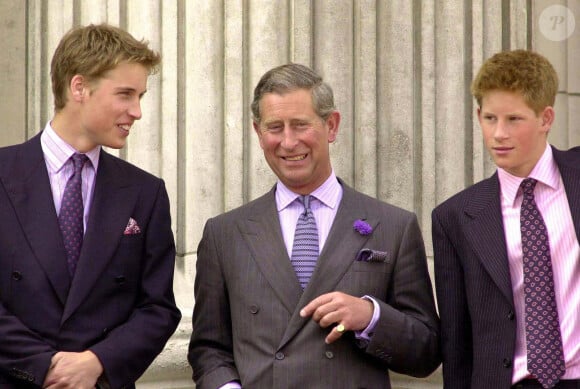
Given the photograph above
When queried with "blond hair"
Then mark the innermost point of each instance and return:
(93, 50)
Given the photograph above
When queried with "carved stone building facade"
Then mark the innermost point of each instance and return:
(400, 70)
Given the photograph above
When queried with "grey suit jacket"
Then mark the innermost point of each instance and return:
(474, 291)
(246, 322)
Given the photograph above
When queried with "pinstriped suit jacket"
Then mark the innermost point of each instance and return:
(246, 323)
(474, 291)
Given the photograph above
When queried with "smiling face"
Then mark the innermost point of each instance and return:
(295, 140)
(107, 107)
(514, 134)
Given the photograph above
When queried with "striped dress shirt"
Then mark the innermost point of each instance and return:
(552, 202)
(57, 155)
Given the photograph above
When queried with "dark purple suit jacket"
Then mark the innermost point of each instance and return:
(472, 278)
(119, 304)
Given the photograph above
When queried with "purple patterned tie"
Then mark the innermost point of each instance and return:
(543, 338)
(305, 247)
(71, 214)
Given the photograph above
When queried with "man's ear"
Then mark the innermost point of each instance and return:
(258, 132)
(479, 114)
(78, 86)
(333, 122)
(548, 116)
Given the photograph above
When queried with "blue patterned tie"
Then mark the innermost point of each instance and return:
(71, 214)
(305, 247)
(543, 338)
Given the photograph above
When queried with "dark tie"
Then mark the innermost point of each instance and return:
(305, 247)
(71, 214)
(543, 338)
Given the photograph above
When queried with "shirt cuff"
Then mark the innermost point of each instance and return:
(367, 333)
(231, 385)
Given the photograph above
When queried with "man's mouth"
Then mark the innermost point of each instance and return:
(296, 157)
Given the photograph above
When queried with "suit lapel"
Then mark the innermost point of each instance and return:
(572, 185)
(338, 254)
(113, 203)
(261, 230)
(485, 233)
(570, 172)
(29, 189)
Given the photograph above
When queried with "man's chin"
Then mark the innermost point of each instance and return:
(115, 145)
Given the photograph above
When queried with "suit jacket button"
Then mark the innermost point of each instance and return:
(361, 343)
(280, 356)
(16, 275)
(507, 362)
(120, 280)
(254, 309)
(329, 354)
(511, 315)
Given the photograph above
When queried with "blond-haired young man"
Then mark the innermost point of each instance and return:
(86, 248)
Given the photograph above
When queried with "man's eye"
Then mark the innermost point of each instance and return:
(274, 128)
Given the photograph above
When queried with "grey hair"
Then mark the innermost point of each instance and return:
(290, 77)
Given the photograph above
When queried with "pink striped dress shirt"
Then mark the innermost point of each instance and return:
(57, 155)
(553, 203)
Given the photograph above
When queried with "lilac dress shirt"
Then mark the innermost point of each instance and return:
(57, 155)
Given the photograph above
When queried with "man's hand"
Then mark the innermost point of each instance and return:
(73, 371)
(349, 312)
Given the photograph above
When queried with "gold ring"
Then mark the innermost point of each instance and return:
(340, 328)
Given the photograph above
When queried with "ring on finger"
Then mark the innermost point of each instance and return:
(340, 328)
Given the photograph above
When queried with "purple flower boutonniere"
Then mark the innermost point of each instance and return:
(362, 227)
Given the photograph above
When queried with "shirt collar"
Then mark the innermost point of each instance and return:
(545, 172)
(328, 193)
(57, 152)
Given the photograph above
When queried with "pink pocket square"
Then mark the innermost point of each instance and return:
(132, 227)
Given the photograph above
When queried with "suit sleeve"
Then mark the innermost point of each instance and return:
(24, 355)
(130, 348)
(456, 342)
(406, 335)
(211, 346)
